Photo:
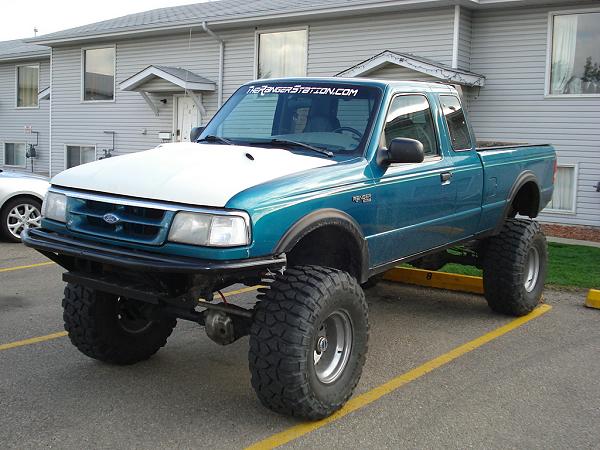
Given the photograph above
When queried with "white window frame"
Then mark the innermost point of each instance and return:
(24, 166)
(258, 32)
(82, 74)
(17, 87)
(573, 211)
(66, 156)
(549, 46)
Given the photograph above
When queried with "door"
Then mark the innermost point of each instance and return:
(187, 116)
(412, 201)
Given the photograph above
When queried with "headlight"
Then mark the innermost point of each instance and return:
(209, 230)
(55, 207)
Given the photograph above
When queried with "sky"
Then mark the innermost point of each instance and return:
(18, 18)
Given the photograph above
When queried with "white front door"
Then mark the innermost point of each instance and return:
(187, 116)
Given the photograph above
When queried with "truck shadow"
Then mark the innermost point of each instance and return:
(197, 392)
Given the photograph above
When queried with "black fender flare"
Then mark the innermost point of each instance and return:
(321, 218)
(523, 178)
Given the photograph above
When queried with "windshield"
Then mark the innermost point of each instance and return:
(329, 116)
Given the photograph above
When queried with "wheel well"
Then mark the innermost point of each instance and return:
(527, 201)
(330, 246)
(23, 196)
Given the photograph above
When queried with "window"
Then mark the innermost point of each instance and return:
(410, 117)
(27, 86)
(14, 154)
(99, 74)
(80, 154)
(282, 54)
(575, 57)
(456, 121)
(563, 198)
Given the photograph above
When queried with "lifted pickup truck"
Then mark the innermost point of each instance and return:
(309, 187)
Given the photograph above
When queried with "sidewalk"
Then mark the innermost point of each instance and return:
(560, 240)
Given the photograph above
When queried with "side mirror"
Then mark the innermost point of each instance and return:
(402, 150)
(195, 133)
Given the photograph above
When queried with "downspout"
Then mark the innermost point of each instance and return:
(50, 118)
(221, 61)
(455, 36)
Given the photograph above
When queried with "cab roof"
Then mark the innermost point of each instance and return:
(407, 86)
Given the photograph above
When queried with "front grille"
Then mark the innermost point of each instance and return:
(133, 223)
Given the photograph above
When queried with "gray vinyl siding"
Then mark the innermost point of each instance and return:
(509, 48)
(332, 48)
(135, 125)
(337, 45)
(464, 39)
(13, 119)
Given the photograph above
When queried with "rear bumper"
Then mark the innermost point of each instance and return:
(65, 251)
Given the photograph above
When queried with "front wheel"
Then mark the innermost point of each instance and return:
(308, 342)
(19, 214)
(110, 328)
(514, 267)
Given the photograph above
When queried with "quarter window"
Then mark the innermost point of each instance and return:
(14, 154)
(282, 54)
(99, 74)
(575, 54)
(410, 117)
(80, 154)
(27, 86)
(457, 123)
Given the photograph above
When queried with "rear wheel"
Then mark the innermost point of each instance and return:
(308, 342)
(20, 214)
(514, 267)
(110, 328)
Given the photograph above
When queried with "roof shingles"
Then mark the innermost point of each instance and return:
(18, 49)
(230, 10)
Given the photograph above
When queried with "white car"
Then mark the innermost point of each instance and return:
(21, 196)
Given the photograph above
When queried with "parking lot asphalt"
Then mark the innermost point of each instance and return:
(536, 386)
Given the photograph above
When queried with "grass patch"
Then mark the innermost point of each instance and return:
(570, 265)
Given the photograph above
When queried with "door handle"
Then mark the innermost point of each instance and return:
(446, 177)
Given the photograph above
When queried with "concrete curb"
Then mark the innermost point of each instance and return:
(593, 299)
(440, 280)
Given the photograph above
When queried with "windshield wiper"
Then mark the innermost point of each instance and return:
(213, 138)
(289, 143)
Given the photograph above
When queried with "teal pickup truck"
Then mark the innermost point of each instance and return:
(312, 188)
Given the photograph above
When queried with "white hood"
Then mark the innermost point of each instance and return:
(197, 174)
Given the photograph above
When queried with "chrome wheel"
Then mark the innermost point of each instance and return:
(333, 345)
(22, 217)
(532, 269)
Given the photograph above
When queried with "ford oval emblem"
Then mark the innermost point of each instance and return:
(110, 218)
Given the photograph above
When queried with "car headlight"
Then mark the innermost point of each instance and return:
(55, 207)
(209, 230)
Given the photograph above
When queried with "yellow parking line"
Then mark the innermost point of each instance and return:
(368, 397)
(60, 334)
(30, 266)
(33, 340)
(241, 291)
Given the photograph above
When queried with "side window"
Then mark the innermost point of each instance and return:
(457, 124)
(410, 117)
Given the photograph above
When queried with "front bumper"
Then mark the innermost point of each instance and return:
(65, 251)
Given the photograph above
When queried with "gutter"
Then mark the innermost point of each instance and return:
(221, 62)
(24, 56)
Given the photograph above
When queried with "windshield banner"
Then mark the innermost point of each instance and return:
(299, 89)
